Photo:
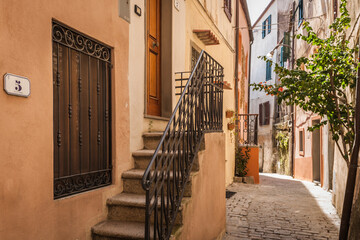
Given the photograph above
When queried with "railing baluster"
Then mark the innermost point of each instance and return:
(199, 109)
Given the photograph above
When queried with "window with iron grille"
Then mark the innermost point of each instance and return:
(227, 9)
(81, 112)
(264, 113)
(194, 57)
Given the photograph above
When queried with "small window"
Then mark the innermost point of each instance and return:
(264, 113)
(269, 24)
(264, 29)
(268, 71)
(301, 12)
(194, 57)
(227, 9)
(301, 142)
(266, 26)
(335, 8)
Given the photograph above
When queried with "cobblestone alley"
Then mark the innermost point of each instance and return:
(280, 208)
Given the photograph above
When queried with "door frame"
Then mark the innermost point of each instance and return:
(318, 118)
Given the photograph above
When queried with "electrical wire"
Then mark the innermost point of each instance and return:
(260, 27)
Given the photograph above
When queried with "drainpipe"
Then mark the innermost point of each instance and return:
(236, 58)
(236, 73)
(293, 117)
(249, 75)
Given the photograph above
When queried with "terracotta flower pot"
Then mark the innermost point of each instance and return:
(229, 114)
(231, 126)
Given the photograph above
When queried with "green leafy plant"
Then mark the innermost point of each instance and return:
(282, 139)
(321, 82)
(242, 156)
(324, 83)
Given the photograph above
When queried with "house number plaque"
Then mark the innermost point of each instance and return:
(16, 85)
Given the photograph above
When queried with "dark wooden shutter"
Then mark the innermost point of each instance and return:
(260, 114)
(267, 113)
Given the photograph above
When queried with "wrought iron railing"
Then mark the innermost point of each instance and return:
(247, 129)
(198, 110)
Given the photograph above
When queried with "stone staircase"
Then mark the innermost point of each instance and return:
(126, 211)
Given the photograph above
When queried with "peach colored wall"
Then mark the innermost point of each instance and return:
(303, 168)
(205, 214)
(27, 207)
(253, 163)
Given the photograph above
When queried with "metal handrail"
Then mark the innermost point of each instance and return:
(198, 110)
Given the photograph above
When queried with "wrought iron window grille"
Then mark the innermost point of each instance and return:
(82, 128)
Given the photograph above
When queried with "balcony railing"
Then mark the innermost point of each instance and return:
(247, 129)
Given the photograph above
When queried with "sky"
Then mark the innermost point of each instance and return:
(256, 7)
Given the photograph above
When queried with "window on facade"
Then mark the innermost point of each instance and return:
(227, 9)
(264, 113)
(301, 11)
(335, 2)
(301, 141)
(268, 71)
(266, 26)
(81, 112)
(269, 24)
(194, 57)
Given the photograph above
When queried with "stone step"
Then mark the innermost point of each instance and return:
(120, 230)
(143, 157)
(132, 182)
(131, 207)
(152, 139)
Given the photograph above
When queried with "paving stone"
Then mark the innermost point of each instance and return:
(280, 208)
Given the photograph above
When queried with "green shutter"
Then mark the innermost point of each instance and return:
(287, 46)
(269, 24)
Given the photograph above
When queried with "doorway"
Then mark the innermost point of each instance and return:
(316, 153)
(153, 81)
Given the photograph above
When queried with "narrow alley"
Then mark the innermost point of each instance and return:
(280, 208)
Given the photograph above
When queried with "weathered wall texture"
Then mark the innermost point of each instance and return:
(28, 210)
(205, 214)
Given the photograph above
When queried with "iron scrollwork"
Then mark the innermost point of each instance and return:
(79, 42)
(81, 182)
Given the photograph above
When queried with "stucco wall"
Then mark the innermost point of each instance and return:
(199, 17)
(205, 214)
(28, 210)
